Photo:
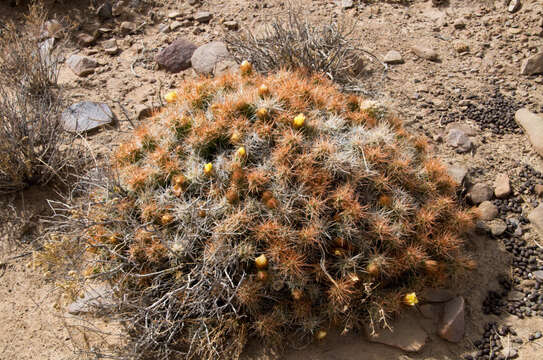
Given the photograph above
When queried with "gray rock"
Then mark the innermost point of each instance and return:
(105, 11)
(175, 14)
(81, 65)
(166, 28)
(497, 227)
(231, 25)
(532, 65)
(457, 173)
(502, 186)
(459, 140)
(86, 116)
(533, 127)
(487, 210)
(393, 57)
(434, 295)
(514, 6)
(128, 27)
(536, 219)
(345, 4)
(177, 56)
(96, 297)
(480, 192)
(203, 16)
(451, 326)
(86, 39)
(425, 52)
(538, 275)
(205, 58)
(407, 334)
(110, 46)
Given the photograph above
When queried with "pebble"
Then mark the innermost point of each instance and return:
(393, 57)
(497, 227)
(425, 52)
(206, 58)
(459, 140)
(480, 192)
(502, 186)
(533, 127)
(203, 16)
(487, 210)
(458, 173)
(81, 65)
(514, 6)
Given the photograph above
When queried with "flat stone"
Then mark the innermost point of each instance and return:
(497, 227)
(85, 116)
(128, 27)
(532, 65)
(206, 57)
(480, 192)
(502, 186)
(231, 25)
(487, 210)
(536, 219)
(203, 16)
(407, 335)
(177, 56)
(110, 46)
(434, 295)
(98, 296)
(451, 326)
(533, 127)
(86, 39)
(457, 173)
(514, 6)
(393, 57)
(81, 65)
(459, 140)
(425, 52)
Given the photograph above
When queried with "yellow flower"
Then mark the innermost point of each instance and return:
(261, 262)
(171, 97)
(241, 151)
(299, 121)
(208, 168)
(246, 67)
(262, 113)
(411, 299)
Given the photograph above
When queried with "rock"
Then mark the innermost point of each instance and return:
(203, 16)
(393, 57)
(480, 192)
(53, 29)
(487, 210)
(177, 56)
(345, 4)
(461, 47)
(538, 189)
(451, 326)
(85, 39)
(460, 24)
(128, 27)
(110, 46)
(407, 334)
(497, 227)
(532, 65)
(459, 140)
(86, 116)
(457, 173)
(533, 127)
(536, 218)
(206, 57)
(81, 65)
(514, 6)
(175, 14)
(143, 111)
(99, 296)
(192, 2)
(105, 11)
(434, 295)
(538, 275)
(231, 25)
(502, 186)
(425, 52)
(431, 311)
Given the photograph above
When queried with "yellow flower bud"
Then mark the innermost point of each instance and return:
(235, 137)
(321, 334)
(246, 67)
(262, 113)
(241, 151)
(261, 262)
(263, 90)
(208, 168)
(299, 121)
(411, 299)
(171, 97)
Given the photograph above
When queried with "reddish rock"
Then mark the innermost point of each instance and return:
(176, 57)
(480, 192)
(451, 326)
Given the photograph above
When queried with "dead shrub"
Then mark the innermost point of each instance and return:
(33, 146)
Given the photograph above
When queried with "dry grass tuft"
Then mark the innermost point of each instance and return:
(320, 223)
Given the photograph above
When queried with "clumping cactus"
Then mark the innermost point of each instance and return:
(273, 208)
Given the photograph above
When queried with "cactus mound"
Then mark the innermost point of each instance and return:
(271, 207)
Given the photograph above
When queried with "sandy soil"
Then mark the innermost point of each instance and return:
(422, 92)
